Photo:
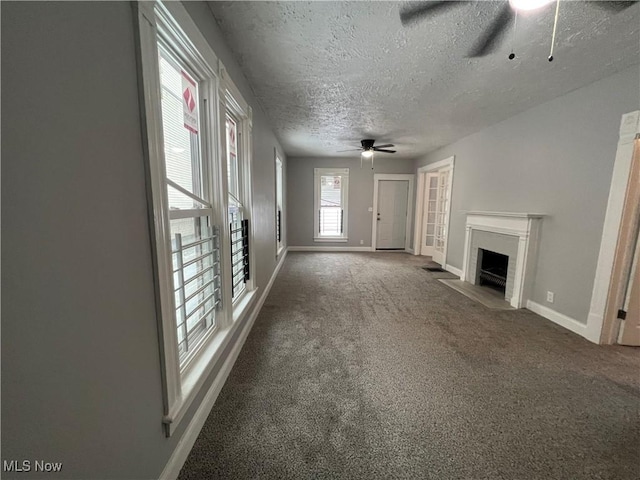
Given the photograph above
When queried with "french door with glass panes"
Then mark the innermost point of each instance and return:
(436, 214)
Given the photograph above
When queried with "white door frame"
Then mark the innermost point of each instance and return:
(377, 177)
(422, 174)
(629, 129)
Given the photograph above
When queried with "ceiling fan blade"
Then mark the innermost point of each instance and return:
(416, 13)
(383, 150)
(384, 146)
(613, 6)
(491, 37)
(350, 150)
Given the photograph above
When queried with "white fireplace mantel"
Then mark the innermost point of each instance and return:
(526, 227)
(506, 214)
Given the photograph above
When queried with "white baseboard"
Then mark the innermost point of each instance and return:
(181, 452)
(561, 319)
(329, 249)
(410, 251)
(454, 270)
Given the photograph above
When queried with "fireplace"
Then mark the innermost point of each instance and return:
(514, 237)
(492, 271)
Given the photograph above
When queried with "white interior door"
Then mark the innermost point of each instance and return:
(630, 328)
(435, 217)
(442, 216)
(429, 213)
(392, 214)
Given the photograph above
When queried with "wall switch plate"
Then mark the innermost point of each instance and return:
(550, 297)
(371, 209)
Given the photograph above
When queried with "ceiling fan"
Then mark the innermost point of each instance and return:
(492, 36)
(368, 147)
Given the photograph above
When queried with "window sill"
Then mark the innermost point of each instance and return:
(331, 239)
(201, 366)
(241, 307)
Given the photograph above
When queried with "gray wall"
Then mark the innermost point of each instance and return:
(81, 377)
(557, 159)
(264, 142)
(300, 196)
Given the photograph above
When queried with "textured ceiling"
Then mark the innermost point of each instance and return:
(332, 73)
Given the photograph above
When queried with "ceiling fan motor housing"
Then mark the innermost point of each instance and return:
(367, 144)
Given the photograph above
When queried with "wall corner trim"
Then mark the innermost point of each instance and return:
(188, 439)
(563, 320)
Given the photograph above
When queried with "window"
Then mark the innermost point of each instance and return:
(237, 212)
(199, 189)
(279, 207)
(194, 239)
(187, 233)
(180, 83)
(233, 173)
(239, 252)
(331, 188)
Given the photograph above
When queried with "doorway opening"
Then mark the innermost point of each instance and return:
(614, 313)
(622, 314)
(433, 210)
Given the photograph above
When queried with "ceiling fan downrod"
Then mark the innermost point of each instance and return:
(512, 55)
(555, 26)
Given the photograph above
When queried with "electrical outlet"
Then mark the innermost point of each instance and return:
(371, 209)
(550, 297)
(361, 242)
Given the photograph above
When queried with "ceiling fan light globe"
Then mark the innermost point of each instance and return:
(367, 153)
(529, 4)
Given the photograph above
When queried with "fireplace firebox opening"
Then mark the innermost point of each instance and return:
(493, 270)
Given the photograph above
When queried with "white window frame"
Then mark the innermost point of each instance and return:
(206, 179)
(344, 200)
(172, 23)
(279, 202)
(231, 99)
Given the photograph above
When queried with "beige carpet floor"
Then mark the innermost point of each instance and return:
(365, 366)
